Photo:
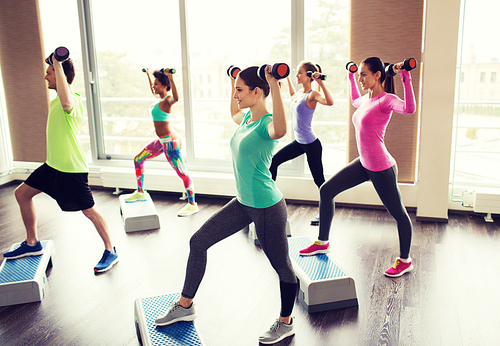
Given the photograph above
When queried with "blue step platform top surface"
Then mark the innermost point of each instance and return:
(21, 269)
(180, 333)
(317, 267)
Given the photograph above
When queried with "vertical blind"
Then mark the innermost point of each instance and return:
(392, 31)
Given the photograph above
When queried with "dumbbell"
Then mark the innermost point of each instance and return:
(310, 73)
(61, 54)
(168, 70)
(233, 71)
(279, 70)
(351, 67)
(408, 64)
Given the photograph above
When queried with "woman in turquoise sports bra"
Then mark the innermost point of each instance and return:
(168, 141)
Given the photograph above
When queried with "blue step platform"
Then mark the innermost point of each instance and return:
(23, 280)
(323, 284)
(139, 215)
(146, 310)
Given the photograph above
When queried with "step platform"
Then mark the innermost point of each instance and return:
(146, 310)
(323, 284)
(253, 234)
(139, 215)
(24, 280)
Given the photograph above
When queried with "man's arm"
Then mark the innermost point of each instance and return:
(62, 87)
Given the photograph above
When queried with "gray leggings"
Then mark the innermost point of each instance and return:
(385, 183)
(270, 226)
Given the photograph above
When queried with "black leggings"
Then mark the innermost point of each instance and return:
(270, 226)
(385, 183)
(313, 152)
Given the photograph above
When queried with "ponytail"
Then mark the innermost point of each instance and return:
(388, 84)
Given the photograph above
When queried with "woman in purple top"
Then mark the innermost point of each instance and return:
(303, 106)
(374, 111)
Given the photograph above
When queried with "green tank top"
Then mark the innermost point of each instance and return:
(252, 150)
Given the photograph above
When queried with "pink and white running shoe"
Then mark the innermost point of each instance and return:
(399, 268)
(315, 248)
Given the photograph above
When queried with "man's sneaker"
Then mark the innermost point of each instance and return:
(188, 209)
(176, 313)
(279, 330)
(108, 260)
(399, 268)
(137, 196)
(25, 250)
(315, 248)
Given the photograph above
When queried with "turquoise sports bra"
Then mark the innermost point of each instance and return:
(158, 114)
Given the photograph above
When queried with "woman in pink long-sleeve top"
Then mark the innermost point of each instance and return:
(375, 163)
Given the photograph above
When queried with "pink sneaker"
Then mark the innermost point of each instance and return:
(315, 248)
(399, 268)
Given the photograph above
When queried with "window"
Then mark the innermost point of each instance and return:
(476, 142)
(54, 37)
(122, 37)
(327, 44)
(245, 40)
(137, 35)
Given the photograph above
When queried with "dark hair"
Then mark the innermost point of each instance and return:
(252, 80)
(68, 68)
(162, 78)
(374, 65)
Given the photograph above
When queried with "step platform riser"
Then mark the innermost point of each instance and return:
(146, 310)
(24, 280)
(323, 284)
(139, 215)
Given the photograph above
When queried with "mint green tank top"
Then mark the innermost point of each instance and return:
(158, 114)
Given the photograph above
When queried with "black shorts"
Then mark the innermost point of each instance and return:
(70, 190)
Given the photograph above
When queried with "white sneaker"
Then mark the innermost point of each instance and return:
(188, 209)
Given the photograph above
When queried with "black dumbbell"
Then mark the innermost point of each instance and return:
(61, 54)
(351, 67)
(233, 71)
(168, 70)
(310, 73)
(279, 70)
(408, 64)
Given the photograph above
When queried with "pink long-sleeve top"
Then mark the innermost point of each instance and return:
(371, 118)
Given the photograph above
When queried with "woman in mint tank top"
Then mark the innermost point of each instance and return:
(168, 141)
(258, 201)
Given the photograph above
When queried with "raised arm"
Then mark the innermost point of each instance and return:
(327, 99)
(355, 95)
(408, 105)
(236, 112)
(291, 89)
(150, 79)
(62, 87)
(277, 128)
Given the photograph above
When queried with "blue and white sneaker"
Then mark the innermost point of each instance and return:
(108, 260)
(25, 250)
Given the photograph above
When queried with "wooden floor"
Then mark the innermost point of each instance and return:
(451, 298)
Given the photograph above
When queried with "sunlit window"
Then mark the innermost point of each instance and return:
(476, 142)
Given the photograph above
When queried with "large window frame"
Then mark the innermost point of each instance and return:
(297, 167)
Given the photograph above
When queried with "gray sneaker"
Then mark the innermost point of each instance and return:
(177, 313)
(279, 330)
